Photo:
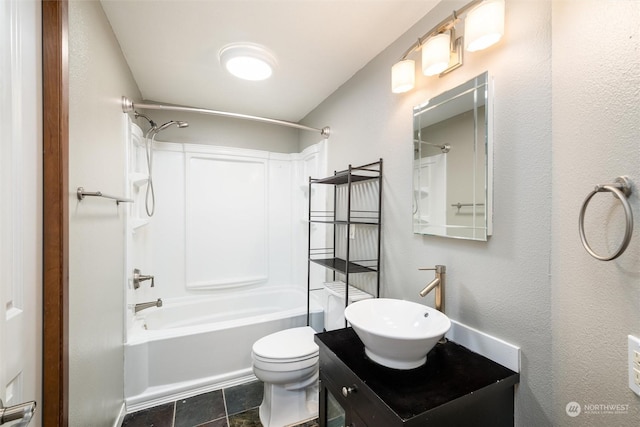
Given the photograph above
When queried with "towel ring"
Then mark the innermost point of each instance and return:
(621, 188)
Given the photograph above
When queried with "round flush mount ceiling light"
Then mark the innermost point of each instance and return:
(248, 61)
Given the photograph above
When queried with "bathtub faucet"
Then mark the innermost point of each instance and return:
(137, 278)
(144, 305)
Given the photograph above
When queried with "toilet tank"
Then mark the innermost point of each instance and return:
(335, 303)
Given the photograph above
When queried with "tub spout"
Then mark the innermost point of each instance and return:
(144, 305)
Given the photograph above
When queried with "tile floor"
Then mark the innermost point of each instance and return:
(231, 407)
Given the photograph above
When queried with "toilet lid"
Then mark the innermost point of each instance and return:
(287, 344)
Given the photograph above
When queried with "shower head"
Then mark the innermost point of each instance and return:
(150, 198)
(178, 123)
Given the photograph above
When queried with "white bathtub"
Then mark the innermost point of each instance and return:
(197, 344)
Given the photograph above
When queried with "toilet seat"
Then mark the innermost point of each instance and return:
(283, 367)
(287, 346)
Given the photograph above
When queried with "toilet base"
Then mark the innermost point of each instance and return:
(282, 407)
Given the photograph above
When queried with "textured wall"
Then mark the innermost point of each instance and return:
(502, 286)
(98, 76)
(596, 137)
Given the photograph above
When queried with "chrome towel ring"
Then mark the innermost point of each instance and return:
(621, 188)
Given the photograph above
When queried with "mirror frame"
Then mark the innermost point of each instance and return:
(483, 83)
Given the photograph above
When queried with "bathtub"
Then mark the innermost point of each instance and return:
(197, 344)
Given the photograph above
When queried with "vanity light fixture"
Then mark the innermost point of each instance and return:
(435, 54)
(442, 51)
(484, 25)
(248, 61)
(403, 75)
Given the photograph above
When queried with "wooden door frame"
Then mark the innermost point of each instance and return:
(55, 280)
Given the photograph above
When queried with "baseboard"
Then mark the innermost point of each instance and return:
(120, 419)
(493, 348)
(155, 396)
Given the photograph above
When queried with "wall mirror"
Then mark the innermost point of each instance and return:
(452, 162)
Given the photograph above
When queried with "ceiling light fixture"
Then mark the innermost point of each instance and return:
(442, 51)
(248, 61)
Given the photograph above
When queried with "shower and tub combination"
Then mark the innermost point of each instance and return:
(226, 247)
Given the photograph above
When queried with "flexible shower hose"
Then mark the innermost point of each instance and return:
(150, 197)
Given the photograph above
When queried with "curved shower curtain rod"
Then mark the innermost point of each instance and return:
(128, 106)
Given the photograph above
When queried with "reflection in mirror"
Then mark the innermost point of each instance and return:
(452, 163)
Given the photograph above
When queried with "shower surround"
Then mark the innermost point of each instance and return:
(227, 247)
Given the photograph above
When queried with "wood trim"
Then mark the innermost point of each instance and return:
(55, 92)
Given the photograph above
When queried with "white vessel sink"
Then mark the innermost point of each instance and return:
(396, 333)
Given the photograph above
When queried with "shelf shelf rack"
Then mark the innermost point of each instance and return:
(347, 180)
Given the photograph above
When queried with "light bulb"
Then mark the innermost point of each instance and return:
(484, 25)
(403, 76)
(247, 61)
(435, 54)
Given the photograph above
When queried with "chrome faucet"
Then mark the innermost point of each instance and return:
(437, 284)
(138, 278)
(144, 305)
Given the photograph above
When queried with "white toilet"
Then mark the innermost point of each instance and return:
(287, 363)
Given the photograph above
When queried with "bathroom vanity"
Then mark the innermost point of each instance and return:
(456, 387)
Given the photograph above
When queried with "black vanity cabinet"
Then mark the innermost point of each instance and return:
(455, 388)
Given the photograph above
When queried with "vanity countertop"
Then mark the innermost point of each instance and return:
(453, 376)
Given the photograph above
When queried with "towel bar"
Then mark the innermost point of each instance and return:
(82, 194)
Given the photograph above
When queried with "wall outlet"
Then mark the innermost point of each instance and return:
(634, 363)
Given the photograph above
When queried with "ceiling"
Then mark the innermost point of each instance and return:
(172, 48)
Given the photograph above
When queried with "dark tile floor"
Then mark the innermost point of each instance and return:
(231, 407)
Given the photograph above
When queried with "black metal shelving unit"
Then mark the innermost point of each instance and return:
(343, 219)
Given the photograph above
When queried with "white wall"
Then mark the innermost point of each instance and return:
(501, 287)
(98, 76)
(596, 137)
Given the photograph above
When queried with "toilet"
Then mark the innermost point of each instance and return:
(287, 363)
